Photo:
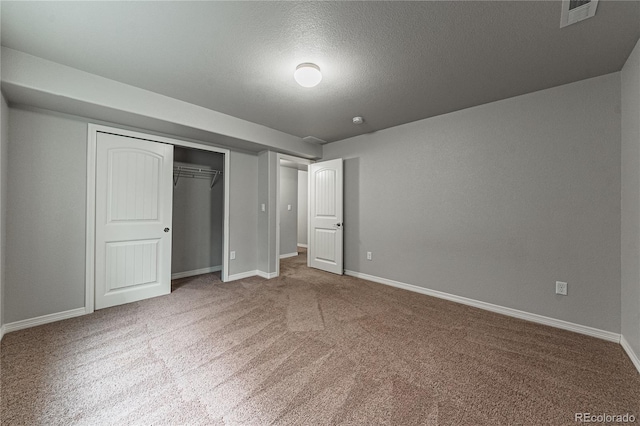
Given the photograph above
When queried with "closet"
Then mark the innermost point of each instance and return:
(198, 212)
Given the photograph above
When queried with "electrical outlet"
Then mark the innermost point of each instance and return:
(368, 255)
(561, 288)
(232, 255)
(263, 207)
(288, 206)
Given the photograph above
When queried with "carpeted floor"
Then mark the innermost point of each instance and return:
(307, 348)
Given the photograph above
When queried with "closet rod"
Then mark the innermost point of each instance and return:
(195, 173)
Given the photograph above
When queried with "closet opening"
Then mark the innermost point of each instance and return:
(157, 211)
(198, 214)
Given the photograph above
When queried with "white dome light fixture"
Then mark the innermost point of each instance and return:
(307, 74)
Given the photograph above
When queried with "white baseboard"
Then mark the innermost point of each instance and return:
(565, 325)
(284, 256)
(195, 272)
(302, 245)
(45, 319)
(1, 332)
(242, 275)
(635, 359)
(267, 275)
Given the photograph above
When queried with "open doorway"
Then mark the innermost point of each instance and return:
(291, 215)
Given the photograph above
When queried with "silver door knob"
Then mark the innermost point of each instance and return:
(166, 229)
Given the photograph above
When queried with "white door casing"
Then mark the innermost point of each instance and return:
(134, 191)
(325, 249)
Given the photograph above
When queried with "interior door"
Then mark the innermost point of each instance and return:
(325, 216)
(134, 191)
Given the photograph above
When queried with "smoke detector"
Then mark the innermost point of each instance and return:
(358, 120)
(577, 10)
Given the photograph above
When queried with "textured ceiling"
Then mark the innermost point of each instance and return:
(390, 62)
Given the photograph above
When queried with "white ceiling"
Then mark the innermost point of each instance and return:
(390, 62)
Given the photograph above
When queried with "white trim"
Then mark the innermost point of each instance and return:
(284, 256)
(309, 217)
(195, 272)
(2, 331)
(93, 130)
(44, 319)
(224, 276)
(248, 274)
(635, 359)
(90, 220)
(266, 274)
(302, 245)
(242, 275)
(277, 202)
(540, 319)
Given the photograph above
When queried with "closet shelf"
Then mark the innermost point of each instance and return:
(195, 173)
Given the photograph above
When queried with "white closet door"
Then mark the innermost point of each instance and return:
(133, 219)
(325, 216)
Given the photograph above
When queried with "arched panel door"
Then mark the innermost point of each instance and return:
(326, 216)
(133, 219)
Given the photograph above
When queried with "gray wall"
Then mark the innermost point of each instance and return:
(263, 216)
(198, 214)
(267, 170)
(497, 202)
(4, 147)
(243, 214)
(46, 213)
(288, 218)
(631, 200)
(303, 210)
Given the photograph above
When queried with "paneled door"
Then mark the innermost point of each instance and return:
(325, 216)
(134, 190)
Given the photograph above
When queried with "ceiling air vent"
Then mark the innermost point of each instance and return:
(577, 10)
(312, 139)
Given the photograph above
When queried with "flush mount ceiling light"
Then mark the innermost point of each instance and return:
(307, 74)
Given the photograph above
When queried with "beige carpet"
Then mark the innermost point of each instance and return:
(307, 348)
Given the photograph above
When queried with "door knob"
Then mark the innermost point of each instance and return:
(166, 229)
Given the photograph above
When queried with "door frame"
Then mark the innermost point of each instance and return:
(295, 160)
(92, 139)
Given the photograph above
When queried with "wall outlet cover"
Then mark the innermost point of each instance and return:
(561, 288)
